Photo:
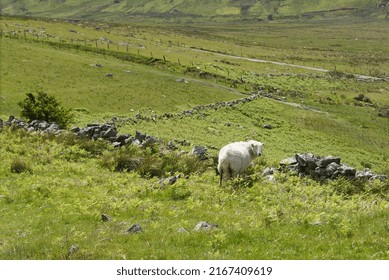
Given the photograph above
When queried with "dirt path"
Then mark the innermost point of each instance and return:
(362, 77)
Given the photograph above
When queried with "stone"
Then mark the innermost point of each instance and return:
(367, 174)
(149, 140)
(346, 171)
(201, 152)
(111, 132)
(182, 230)
(267, 126)
(122, 138)
(201, 226)
(117, 144)
(52, 128)
(323, 162)
(73, 249)
(75, 129)
(169, 181)
(307, 160)
(288, 161)
(106, 218)
(172, 146)
(140, 136)
(43, 125)
(268, 171)
(136, 228)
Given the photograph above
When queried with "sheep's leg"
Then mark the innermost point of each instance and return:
(221, 178)
(230, 171)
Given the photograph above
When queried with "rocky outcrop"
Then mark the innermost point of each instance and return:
(323, 168)
(35, 125)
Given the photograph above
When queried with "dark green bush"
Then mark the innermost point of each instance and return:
(361, 97)
(44, 107)
(19, 166)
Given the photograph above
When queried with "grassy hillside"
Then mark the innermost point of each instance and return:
(54, 189)
(122, 10)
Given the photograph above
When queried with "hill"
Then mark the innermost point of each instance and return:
(218, 10)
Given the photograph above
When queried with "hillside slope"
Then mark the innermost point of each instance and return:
(121, 10)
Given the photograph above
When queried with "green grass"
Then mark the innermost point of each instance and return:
(60, 203)
(65, 185)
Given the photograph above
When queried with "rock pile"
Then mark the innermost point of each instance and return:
(35, 125)
(323, 168)
(195, 110)
(94, 131)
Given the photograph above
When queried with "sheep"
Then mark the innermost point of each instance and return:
(235, 157)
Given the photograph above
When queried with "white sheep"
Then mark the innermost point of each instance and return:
(235, 157)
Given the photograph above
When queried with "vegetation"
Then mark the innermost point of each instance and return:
(54, 188)
(44, 107)
(193, 10)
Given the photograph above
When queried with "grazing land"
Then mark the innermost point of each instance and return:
(323, 88)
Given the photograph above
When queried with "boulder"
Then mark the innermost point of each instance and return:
(204, 226)
(201, 152)
(267, 126)
(106, 218)
(367, 174)
(346, 171)
(307, 160)
(136, 228)
(110, 132)
(323, 162)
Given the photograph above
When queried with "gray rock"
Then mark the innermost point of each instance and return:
(117, 144)
(346, 171)
(122, 138)
(136, 142)
(75, 129)
(268, 126)
(140, 136)
(307, 160)
(111, 132)
(323, 162)
(201, 152)
(43, 125)
(268, 171)
(182, 230)
(53, 128)
(169, 181)
(106, 218)
(149, 140)
(136, 228)
(204, 226)
(171, 146)
(73, 249)
(288, 161)
(367, 174)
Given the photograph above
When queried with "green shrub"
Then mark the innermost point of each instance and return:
(361, 97)
(45, 108)
(18, 165)
(383, 111)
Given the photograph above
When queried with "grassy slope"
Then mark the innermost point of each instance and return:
(230, 10)
(59, 204)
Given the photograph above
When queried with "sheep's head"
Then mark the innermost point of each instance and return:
(256, 147)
